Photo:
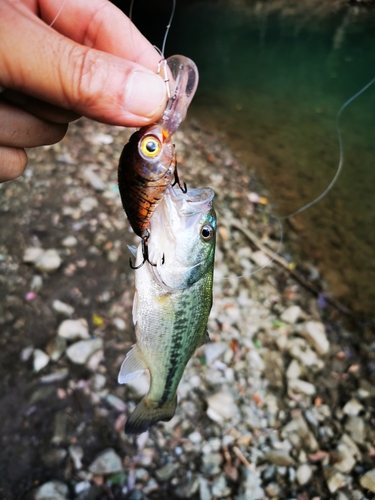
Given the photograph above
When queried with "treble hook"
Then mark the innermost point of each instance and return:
(183, 186)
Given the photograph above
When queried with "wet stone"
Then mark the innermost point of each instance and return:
(76, 454)
(107, 462)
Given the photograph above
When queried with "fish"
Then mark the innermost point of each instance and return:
(147, 164)
(172, 301)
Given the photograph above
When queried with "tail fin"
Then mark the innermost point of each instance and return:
(147, 413)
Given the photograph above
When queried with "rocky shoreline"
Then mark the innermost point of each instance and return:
(279, 405)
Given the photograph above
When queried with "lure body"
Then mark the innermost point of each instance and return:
(172, 301)
(147, 164)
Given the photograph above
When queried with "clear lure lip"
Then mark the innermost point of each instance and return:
(181, 75)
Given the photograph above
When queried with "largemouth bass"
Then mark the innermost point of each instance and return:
(147, 164)
(172, 301)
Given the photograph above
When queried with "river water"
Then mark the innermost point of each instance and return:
(274, 82)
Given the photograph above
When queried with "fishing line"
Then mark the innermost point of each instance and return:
(58, 13)
(322, 195)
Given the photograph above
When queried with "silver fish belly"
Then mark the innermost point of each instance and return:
(172, 301)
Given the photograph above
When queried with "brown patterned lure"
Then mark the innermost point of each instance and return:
(148, 161)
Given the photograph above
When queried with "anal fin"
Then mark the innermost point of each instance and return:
(132, 367)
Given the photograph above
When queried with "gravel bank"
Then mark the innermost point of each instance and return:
(279, 405)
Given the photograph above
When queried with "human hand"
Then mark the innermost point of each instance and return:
(92, 62)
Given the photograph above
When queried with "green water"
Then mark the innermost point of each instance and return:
(274, 84)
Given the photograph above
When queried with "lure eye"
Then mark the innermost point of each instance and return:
(150, 146)
(207, 232)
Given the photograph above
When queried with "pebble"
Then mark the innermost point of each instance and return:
(314, 332)
(62, 308)
(279, 457)
(49, 261)
(221, 406)
(80, 352)
(119, 324)
(204, 490)
(40, 360)
(116, 402)
(55, 348)
(353, 408)
(368, 480)
(108, 462)
(335, 480)
(53, 490)
(32, 255)
(304, 474)
(74, 329)
(291, 314)
(301, 386)
(342, 458)
(294, 370)
(139, 385)
(260, 258)
(88, 204)
(69, 241)
(356, 428)
(94, 180)
(214, 350)
(76, 454)
(220, 488)
(166, 471)
(211, 463)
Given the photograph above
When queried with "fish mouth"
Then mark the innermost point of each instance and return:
(195, 200)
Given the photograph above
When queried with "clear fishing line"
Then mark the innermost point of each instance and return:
(322, 195)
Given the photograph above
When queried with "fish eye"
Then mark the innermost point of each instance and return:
(207, 232)
(150, 146)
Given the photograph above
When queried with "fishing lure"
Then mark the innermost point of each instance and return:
(147, 164)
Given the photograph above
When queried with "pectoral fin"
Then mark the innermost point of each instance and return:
(132, 367)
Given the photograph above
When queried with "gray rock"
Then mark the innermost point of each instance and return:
(211, 463)
(342, 458)
(291, 314)
(32, 255)
(301, 386)
(315, 333)
(294, 370)
(334, 479)
(76, 454)
(49, 261)
(69, 241)
(74, 329)
(54, 457)
(40, 360)
(94, 180)
(166, 471)
(204, 489)
(62, 308)
(279, 457)
(140, 385)
(107, 462)
(53, 490)
(55, 348)
(368, 480)
(214, 350)
(220, 488)
(250, 485)
(116, 403)
(221, 406)
(88, 204)
(304, 474)
(353, 408)
(260, 258)
(119, 324)
(80, 352)
(356, 428)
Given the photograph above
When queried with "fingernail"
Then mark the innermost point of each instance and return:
(145, 94)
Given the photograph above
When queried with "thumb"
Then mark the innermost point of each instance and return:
(38, 61)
